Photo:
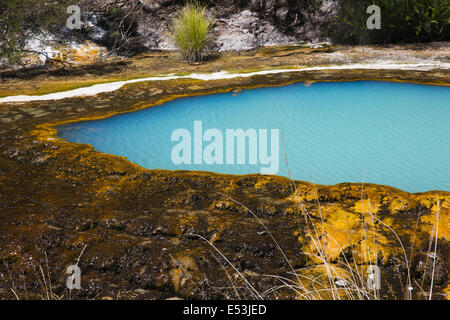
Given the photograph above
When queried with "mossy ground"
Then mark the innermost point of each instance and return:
(137, 225)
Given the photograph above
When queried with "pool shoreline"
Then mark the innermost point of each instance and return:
(125, 143)
(48, 131)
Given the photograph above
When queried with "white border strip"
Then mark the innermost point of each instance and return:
(112, 86)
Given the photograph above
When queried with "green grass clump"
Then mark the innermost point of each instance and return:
(191, 32)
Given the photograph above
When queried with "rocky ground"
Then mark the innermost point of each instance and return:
(244, 25)
(125, 28)
(153, 234)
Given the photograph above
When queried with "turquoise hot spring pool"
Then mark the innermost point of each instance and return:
(388, 133)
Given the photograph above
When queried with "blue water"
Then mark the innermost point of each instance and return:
(394, 134)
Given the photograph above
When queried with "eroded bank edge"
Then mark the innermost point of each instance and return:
(223, 75)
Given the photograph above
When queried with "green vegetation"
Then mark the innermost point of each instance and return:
(191, 32)
(20, 18)
(402, 21)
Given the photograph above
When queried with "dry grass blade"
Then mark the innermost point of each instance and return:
(251, 288)
(435, 247)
